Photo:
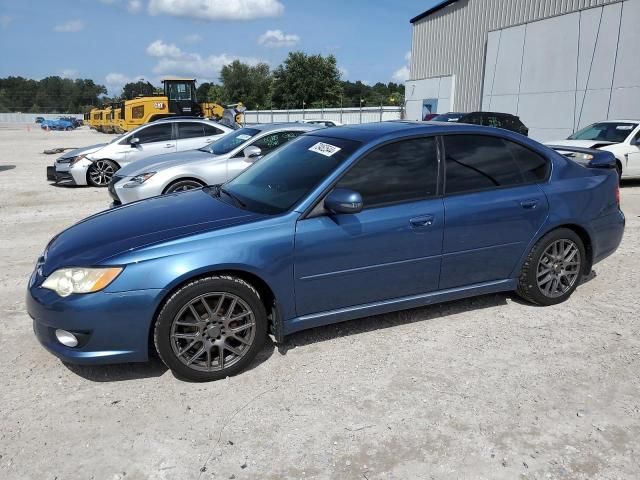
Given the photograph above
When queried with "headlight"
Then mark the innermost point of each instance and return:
(139, 179)
(76, 159)
(80, 280)
(582, 157)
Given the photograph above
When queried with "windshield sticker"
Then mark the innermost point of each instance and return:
(325, 149)
(244, 136)
(624, 127)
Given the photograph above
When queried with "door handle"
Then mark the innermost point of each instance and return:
(529, 204)
(169, 145)
(208, 140)
(421, 221)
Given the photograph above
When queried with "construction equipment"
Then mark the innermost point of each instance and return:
(178, 99)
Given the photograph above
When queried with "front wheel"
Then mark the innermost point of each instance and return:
(101, 172)
(553, 269)
(183, 186)
(211, 328)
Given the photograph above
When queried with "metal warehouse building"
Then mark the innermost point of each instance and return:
(558, 64)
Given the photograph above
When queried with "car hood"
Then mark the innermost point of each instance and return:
(83, 150)
(580, 143)
(161, 162)
(140, 224)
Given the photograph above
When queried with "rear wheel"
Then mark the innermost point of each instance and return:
(101, 172)
(183, 185)
(553, 269)
(211, 328)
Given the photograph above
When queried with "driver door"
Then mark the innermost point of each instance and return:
(266, 144)
(391, 249)
(154, 140)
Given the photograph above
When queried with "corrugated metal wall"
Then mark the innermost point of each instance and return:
(453, 40)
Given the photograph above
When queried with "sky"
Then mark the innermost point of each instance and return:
(117, 41)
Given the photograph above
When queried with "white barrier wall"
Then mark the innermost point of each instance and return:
(343, 115)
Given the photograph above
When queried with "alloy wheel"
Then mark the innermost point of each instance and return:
(101, 172)
(213, 331)
(559, 268)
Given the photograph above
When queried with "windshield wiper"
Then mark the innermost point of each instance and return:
(233, 197)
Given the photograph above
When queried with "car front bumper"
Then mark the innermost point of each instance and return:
(112, 327)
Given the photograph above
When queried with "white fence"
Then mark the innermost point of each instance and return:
(31, 117)
(343, 115)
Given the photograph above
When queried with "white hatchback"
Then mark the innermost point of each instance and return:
(169, 135)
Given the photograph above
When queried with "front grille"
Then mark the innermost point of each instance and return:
(112, 187)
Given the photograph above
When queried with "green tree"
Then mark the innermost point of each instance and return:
(248, 84)
(310, 79)
(133, 89)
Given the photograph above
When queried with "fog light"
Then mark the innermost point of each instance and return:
(66, 338)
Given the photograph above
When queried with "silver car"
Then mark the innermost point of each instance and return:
(59, 171)
(216, 163)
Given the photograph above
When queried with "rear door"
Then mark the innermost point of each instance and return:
(155, 139)
(194, 135)
(493, 207)
(391, 249)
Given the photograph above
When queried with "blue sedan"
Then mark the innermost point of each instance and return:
(338, 224)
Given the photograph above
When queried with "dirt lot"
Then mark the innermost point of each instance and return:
(476, 389)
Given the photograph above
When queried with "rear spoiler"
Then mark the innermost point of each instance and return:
(589, 157)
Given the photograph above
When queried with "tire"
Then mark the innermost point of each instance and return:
(553, 269)
(619, 171)
(101, 172)
(183, 185)
(193, 330)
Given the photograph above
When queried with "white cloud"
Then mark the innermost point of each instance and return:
(173, 61)
(5, 20)
(403, 73)
(212, 10)
(193, 38)
(115, 81)
(70, 26)
(68, 73)
(277, 38)
(134, 6)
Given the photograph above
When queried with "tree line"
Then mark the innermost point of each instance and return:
(301, 81)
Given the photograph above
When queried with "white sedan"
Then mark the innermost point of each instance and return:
(620, 137)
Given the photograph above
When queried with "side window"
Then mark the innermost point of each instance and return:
(190, 130)
(533, 167)
(274, 140)
(155, 133)
(399, 172)
(210, 130)
(478, 162)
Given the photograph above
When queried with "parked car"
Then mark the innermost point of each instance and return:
(322, 122)
(58, 124)
(620, 137)
(163, 136)
(448, 117)
(338, 224)
(59, 171)
(210, 165)
(495, 119)
(39, 119)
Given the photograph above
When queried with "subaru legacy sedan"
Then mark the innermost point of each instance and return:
(338, 224)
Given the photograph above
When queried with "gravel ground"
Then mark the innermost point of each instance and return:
(486, 388)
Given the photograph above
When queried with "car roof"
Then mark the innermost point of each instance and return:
(187, 119)
(367, 132)
(616, 121)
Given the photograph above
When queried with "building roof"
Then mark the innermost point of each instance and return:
(438, 6)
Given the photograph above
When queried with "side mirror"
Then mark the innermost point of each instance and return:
(636, 142)
(252, 154)
(342, 200)
(134, 142)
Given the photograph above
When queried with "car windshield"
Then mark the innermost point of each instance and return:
(230, 141)
(606, 132)
(285, 176)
